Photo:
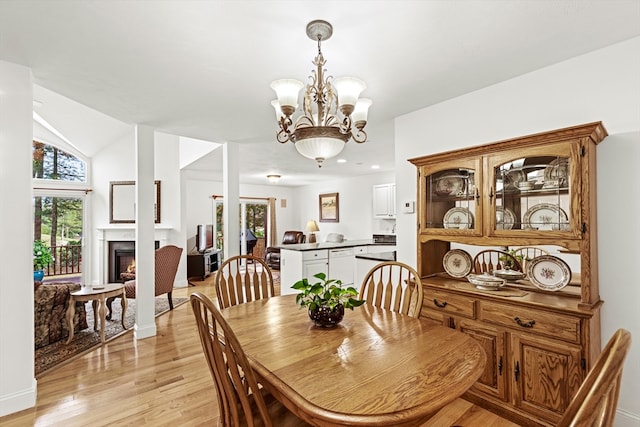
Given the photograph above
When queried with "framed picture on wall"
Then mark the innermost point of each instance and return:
(329, 207)
(122, 206)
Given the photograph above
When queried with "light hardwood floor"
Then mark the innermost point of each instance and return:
(160, 381)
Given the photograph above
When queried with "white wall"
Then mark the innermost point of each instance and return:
(117, 163)
(600, 86)
(355, 203)
(199, 204)
(17, 381)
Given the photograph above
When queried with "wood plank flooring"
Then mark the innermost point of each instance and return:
(160, 381)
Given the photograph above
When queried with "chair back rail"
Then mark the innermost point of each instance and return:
(393, 286)
(493, 259)
(241, 279)
(597, 398)
(528, 253)
(241, 401)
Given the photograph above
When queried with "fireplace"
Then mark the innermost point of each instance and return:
(122, 255)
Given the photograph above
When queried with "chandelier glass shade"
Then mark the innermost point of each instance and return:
(332, 110)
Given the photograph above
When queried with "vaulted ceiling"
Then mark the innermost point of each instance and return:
(201, 69)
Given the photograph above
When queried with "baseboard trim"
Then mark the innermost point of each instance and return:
(627, 419)
(20, 400)
(144, 332)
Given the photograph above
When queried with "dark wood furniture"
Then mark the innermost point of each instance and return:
(540, 344)
(201, 265)
(272, 254)
(377, 367)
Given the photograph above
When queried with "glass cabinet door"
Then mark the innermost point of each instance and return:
(452, 199)
(532, 193)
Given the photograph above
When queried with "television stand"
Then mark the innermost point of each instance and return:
(201, 265)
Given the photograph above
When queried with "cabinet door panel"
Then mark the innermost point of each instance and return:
(493, 379)
(546, 375)
(313, 267)
(534, 190)
(451, 198)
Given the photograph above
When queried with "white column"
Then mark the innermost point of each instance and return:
(17, 381)
(145, 233)
(231, 194)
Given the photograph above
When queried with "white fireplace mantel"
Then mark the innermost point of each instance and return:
(104, 235)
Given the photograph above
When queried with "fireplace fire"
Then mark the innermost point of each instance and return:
(122, 260)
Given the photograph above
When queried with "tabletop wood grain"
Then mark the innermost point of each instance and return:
(377, 368)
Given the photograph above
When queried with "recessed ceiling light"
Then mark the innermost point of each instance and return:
(342, 161)
(375, 166)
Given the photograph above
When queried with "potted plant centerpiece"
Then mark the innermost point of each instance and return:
(326, 299)
(41, 258)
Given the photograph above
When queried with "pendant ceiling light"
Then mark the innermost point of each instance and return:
(320, 132)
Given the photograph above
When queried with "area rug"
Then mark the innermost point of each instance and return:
(59, 353)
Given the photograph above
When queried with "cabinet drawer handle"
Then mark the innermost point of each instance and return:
(491, 193)
(516, 371)
(500, 366)
(477, 195)
(528, 324)
(439, 304)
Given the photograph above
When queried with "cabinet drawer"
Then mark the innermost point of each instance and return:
(448, 303)
(540, 322)
(433, 316)
(319, 254)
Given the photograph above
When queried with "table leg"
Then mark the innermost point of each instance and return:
(71, 311)
(124, 303)
(94, 304)
(103, 315)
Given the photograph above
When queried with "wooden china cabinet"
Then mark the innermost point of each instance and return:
(537, 190)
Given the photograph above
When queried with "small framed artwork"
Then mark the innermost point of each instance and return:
(329, 207)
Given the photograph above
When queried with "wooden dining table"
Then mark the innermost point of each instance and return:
(376, 368)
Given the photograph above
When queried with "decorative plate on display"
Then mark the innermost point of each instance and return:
(545, 216)
(505, 218)
(557, 172)
(461, 218)
(548, 272)
(449, 184)
(457, 263)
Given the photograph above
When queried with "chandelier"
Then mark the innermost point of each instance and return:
(320, 132)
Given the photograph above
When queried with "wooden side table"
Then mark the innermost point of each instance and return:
(98, 296)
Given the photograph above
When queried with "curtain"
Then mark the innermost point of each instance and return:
(271, 213)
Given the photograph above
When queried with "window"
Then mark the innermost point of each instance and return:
(59, 183)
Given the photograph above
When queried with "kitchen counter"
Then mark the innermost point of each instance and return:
(327, 245)
(380, 257)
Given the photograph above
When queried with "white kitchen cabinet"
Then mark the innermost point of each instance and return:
(384, 201)
(296, 265)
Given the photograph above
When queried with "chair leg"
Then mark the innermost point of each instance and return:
(109, 302)
(170, 301)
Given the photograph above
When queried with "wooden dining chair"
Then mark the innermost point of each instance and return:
(528, 253)
(393, 286)
(492, 259)
(241, 401)
(241, 279)
(597, 398)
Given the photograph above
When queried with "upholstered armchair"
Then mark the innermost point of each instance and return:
(167, 260)
(272, 254)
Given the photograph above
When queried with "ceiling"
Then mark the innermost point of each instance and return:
(201, 69)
